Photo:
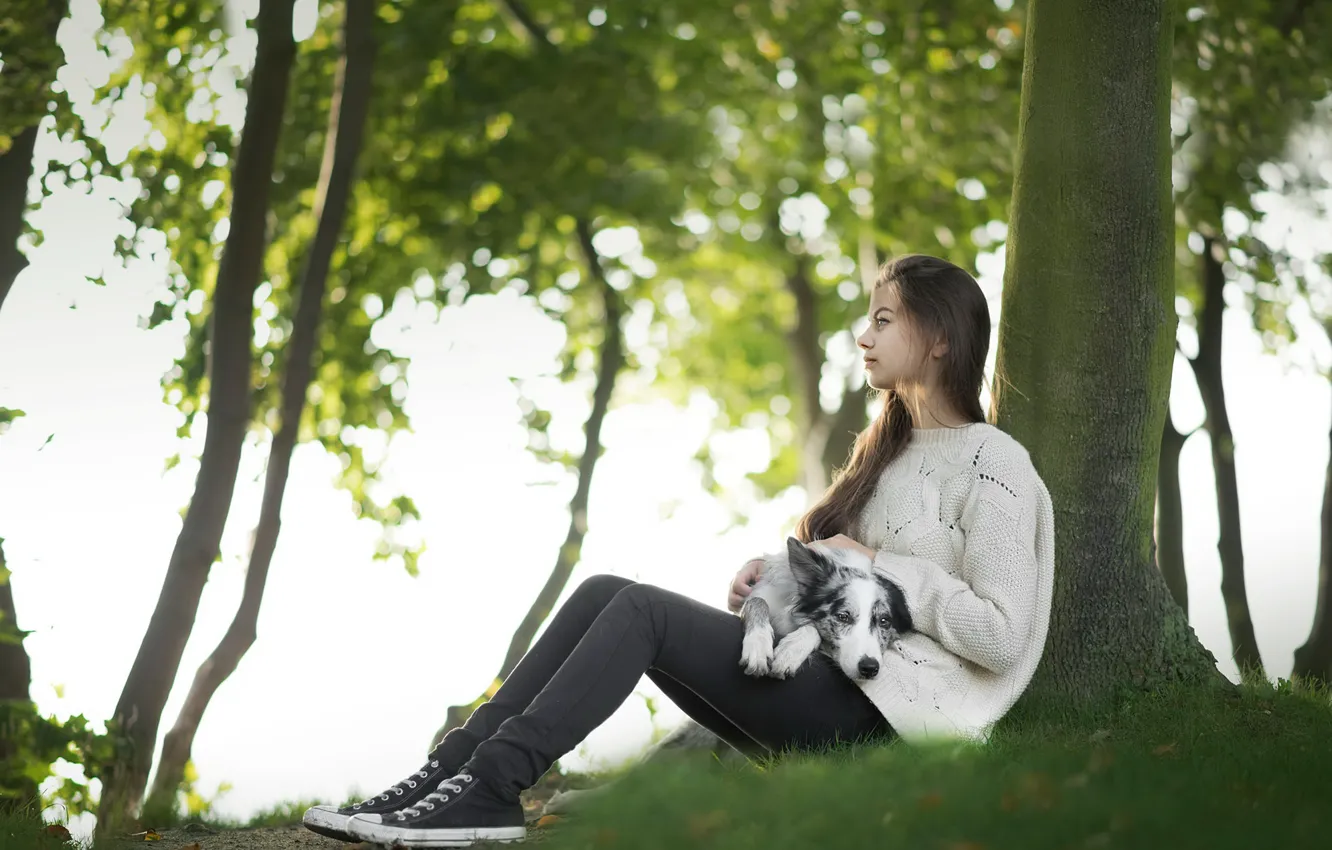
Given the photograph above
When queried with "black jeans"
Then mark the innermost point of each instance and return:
(592, 655)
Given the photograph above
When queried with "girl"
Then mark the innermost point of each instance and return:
(947, 506)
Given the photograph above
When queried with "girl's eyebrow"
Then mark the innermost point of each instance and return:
(889, 309)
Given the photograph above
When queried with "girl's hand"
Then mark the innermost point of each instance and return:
(841, 541)
(743, 584)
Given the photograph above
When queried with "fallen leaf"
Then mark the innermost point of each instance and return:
(546, 820)
(1164, 748)
(57, 831)
(1099, 735)
(1038, 788)
(701, 826)
(194, 846)
(931, 800)
(1101, 758)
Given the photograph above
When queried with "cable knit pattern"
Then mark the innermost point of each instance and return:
(964, 524)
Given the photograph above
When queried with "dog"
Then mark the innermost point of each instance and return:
(820, 598)
(808, 598)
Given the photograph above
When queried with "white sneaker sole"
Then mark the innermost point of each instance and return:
(367, 830)
(325, 820)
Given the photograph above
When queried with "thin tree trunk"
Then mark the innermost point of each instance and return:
(1313, 660)
(813, 425)
(347, 117)
(612, 362)
(139, 710)
(1089, 335)
(1207, 372)
(29, 69)
(608, 371)
(1170, 514)
(849, 420)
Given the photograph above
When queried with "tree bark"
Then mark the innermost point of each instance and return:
(27, 75)
(1313, 660)
(1088, 338)
(1207, 371)
(139, 710)
(608, 370)
(812, 424)
(1170, 514)
(15, 684)
(347, 118)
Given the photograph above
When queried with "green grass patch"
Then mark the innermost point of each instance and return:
(1188, 768)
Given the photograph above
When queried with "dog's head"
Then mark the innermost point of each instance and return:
(858, 613)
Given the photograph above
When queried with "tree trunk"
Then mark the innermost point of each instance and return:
(1089, 335)
(1313, 660)
(1170, 514)
(347, 116)
(612, 362)
(1207, 372)
(15, 682)
(15, 172)
(25, 80)
(812, 424)
(139, 710)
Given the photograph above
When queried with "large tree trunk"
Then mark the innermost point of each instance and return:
(15, 681)
(30, 66)
(139, 711)
(351, 101)
(1089, 335)
(608, 371)
(1207, 372)
(1170, 514)
(1313, 660)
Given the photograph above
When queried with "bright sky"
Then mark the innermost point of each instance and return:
(356, 661)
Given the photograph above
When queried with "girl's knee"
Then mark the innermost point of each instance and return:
(600, 589)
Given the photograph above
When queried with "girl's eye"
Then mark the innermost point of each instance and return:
(880, 321)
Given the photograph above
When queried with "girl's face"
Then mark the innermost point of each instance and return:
(887, 344)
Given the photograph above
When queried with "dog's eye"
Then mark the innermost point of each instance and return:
(843, 616)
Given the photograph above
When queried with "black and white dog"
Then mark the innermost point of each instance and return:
(817, 598)
(809, 598)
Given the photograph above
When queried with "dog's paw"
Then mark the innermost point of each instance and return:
(788, 658)
(756, 652)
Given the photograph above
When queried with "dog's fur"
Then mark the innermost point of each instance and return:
(808, 598)
(820, 598)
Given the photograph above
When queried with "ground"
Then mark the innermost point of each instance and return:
(1244, 769)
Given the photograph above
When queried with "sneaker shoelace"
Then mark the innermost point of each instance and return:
(426, 801)
(398, 790)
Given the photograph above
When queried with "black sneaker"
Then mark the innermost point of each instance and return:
(461, 811)
(332, 821)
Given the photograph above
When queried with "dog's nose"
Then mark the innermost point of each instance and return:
(868, 667)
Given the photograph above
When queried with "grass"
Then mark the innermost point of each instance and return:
(1184, 768)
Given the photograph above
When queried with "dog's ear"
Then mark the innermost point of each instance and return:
(809, 567)
(897, 607)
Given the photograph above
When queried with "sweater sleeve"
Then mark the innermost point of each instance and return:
(985, 613)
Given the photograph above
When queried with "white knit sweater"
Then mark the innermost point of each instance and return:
(964, 524)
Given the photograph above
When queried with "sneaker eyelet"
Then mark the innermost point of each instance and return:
(397, 791)
(434, 764)
(411, 784)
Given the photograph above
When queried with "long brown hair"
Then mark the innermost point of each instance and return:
(939, 302)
